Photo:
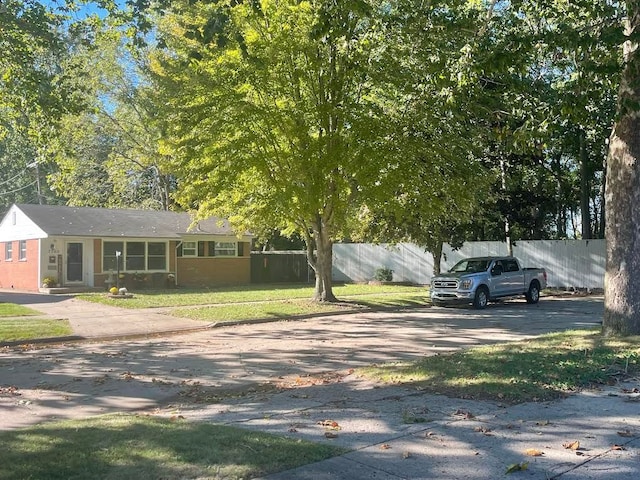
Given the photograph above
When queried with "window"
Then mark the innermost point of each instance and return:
(8, 251)
(225, 249)
(157, 256)
(22, 250)
(222, 249)
(511, 266)
(135, 256)
(135, 259)
(189, 249)
(109, 250)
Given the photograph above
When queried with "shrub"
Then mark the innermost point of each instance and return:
(48, 282)
(383, 274)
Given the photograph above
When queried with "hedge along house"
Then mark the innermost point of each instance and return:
(83, 248)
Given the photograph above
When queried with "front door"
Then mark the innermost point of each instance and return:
(74, 262)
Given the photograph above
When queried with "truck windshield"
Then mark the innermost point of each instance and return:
(470, 265)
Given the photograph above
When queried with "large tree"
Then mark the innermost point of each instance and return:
(622, 280)
(276, 115)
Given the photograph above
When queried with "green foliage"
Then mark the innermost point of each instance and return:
(275, 119)
(383, 274)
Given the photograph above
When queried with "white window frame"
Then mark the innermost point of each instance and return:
(123, 258)
(190, 248)
(22, 250)
(8, 251)
(227, 248)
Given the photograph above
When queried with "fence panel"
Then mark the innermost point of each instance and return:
(569, 263)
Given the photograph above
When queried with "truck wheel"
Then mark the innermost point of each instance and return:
(481, 298)
(533, 294)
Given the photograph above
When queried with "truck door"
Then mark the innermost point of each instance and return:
(498, 279)
(513, 277)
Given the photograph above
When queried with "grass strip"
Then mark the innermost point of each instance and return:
(13, 310)
(27, 328)
(291, 308)
(242, 294)
(544, 368)
(120, 447)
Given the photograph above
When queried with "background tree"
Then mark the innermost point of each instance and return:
(116, 141)
(34, 93)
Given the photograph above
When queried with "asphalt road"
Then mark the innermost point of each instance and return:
(79, 379)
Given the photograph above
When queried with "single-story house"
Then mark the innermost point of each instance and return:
(82, 247)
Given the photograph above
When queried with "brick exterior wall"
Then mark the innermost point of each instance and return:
(212, 271)
(20, 274)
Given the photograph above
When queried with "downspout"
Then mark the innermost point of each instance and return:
(176, 257)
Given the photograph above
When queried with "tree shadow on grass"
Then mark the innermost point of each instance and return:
(143, 447)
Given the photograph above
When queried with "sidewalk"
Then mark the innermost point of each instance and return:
(104, 322)
(392, 432)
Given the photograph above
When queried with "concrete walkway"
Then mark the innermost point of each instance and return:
(297, 380)
(96, 321)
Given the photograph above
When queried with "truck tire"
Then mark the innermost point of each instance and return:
(533, 294)
(481, 298)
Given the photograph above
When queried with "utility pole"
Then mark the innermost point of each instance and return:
(507, 232)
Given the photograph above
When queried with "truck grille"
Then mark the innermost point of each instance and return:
(445, 284)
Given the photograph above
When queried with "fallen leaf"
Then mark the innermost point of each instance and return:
(517, 467)
(625, 433)
(465, 414)
(406, 454)
(571, 445)
(482, 429)
(630, 390)
(617, 447)
(385, 446)
(532, 452)
(332, 424)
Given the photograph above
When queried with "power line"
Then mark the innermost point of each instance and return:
(19, 189)
(14, 177)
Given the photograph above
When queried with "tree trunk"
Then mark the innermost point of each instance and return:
(321, 261)
(622, 281)
(437, 259)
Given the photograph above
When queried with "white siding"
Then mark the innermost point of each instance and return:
(569, 263)
(17, 226)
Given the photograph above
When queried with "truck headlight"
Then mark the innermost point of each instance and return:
(466, 284)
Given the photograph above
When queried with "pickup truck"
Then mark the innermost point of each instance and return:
(482, 279)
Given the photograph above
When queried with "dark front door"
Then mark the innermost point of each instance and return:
(74, 262)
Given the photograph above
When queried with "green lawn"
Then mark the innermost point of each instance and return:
(122, 447)
(22, 323)
(27, 328)
(242, 294)
(543, 368)
(13, 310)
(296, 307)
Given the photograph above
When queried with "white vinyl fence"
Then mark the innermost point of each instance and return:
(569, 263)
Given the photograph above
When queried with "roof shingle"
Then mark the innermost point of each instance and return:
(103, 222)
